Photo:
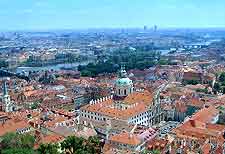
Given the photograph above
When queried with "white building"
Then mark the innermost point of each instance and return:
(6, 103)
(133, 107)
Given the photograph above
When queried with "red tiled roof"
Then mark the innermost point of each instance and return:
(125, 138)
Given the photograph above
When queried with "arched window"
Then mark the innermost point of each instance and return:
(125, 92)
(119, 91)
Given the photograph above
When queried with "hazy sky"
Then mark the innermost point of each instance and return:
(69, 14)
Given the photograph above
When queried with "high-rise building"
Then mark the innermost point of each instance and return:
(155, 28)
(145, 28)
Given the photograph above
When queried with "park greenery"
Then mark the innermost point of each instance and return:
(205, 90)
(3, 64)
(191, 82)
(132, 59)
(13, 143)
(151, 152)
(219, 86)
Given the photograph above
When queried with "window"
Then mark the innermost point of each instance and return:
(125, 92)
(119, 91)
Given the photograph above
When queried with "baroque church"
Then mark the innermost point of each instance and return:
(6, 105)
(130, 105)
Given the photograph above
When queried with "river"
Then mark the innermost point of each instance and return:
(52, 67)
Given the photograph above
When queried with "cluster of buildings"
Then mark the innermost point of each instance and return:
(130, 113)
(169, 109)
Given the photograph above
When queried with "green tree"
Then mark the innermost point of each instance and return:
(223, 89)
(17, 151)
(223, 84)
(3, 63)
(163, 62)
(17, 143)
(13, 140)
(48, 149)
(34, 105)
(79, 145)
(9, 140)
(217, 87)
(139, 59)
(27, 141)
(93, 145)
(72, 144)
(86, 73)
(150, 152)
(202, 90)
(222, 77)
(192, 82)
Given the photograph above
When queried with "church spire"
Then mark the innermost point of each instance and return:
(7, 104)
(123, 73)
(5, 90)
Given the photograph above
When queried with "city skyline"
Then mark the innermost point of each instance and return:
(51, 14)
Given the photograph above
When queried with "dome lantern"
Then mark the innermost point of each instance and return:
(123, 85)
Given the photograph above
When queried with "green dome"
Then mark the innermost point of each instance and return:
(124, 82)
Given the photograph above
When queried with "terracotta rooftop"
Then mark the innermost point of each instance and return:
(206, 115)
(52, 138)
(125, 138)
(143, 100)
(13, 125)
(145, 97)
(200, 126)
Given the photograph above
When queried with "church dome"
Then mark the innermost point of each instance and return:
(124, 82)
(123, 85)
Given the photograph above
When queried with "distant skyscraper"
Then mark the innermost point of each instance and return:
(145, 28)
(155, 28)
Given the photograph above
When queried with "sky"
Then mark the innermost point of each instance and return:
(83, 14)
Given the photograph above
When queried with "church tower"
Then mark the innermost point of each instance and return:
(7, 107)
(123, 85)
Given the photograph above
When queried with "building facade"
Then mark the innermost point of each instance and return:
(6, 103)
(127, 104)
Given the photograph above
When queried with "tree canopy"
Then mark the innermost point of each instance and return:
(132, 59)
(79, 145)
(17, 143)
(48, 149)
(13, 143)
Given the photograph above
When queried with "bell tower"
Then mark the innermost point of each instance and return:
(7, 106)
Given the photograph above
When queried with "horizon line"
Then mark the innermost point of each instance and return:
(110, 28)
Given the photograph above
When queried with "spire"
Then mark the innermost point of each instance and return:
(123, 73)
(5, 90)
